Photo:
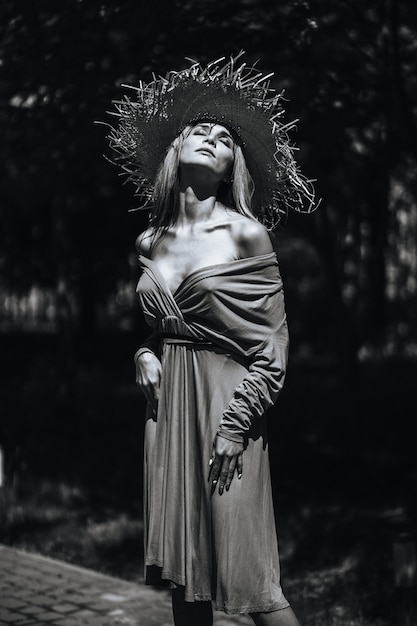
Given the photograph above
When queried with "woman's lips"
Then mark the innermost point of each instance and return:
(206, 151)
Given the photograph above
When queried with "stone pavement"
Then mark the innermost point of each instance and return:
(36, 590)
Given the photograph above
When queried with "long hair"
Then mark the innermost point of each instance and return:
(236, 194)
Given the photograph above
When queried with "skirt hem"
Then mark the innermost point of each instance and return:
(167, 576)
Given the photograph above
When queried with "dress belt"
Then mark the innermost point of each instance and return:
(184, 340)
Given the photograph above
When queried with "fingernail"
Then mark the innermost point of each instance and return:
(214, 482)
(227, 487)
(220, 491)
(211, 462)
(239, 476)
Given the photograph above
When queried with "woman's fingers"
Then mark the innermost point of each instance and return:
(146, 388)
(229, 475)
(222, 469)
(239, 465)
(148, 377)
(155, 390)
(150, 396)
(226, 458)
(215, 468)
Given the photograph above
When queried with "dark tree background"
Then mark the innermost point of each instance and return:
(349, 73)
(69, 321)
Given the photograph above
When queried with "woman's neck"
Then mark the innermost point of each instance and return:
(195, 208)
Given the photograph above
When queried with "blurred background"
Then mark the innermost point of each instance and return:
(342, 437)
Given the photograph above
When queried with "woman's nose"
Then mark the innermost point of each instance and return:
(210, 139)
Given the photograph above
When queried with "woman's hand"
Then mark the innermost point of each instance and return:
(148, 376)
(227, 458)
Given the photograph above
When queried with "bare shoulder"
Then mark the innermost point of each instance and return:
(143, 242)
(251, 237)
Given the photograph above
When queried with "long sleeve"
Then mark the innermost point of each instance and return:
(260, 388)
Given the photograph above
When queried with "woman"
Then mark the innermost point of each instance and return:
(211, 289)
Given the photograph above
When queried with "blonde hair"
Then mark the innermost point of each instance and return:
(236, 194)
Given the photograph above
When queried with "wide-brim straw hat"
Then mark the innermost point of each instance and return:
(226, 92)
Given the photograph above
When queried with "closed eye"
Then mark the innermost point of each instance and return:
(224, 137)
(200, 130)
(227, 140)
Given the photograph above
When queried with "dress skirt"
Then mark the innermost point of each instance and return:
(218, 547)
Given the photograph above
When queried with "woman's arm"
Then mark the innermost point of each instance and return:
(148, 373)
(147, 363)
(261, 386)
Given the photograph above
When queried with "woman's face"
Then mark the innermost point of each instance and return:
(209, 146)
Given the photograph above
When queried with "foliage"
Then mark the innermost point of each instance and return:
(349, 72)
(364, 99)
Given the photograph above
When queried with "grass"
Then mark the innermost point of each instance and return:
(59, 520)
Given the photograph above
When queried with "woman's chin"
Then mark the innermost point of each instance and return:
(200, 173)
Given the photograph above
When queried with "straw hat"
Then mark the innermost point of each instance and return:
(228, 93)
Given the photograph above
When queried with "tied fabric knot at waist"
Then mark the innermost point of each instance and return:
(195, 343)
(184, 340)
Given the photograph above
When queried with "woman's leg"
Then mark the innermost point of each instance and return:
(283, 617)
(190, 613)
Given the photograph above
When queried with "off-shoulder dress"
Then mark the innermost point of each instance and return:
(223, 346)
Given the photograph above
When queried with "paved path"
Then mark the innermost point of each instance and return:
(36, 591)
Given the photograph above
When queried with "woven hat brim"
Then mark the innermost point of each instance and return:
(165, 107)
